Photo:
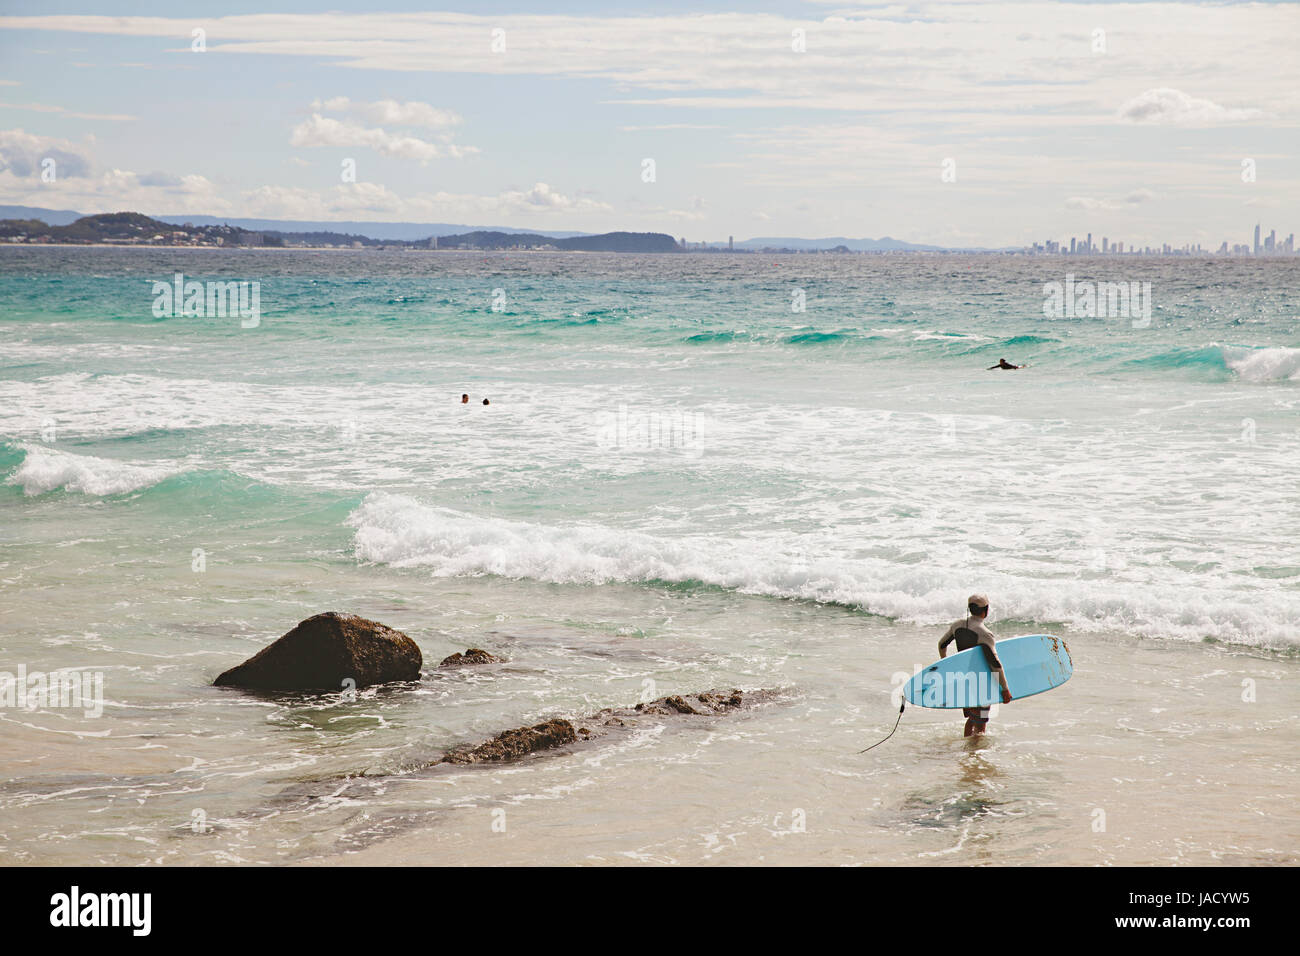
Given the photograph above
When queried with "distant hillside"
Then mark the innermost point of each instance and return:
(607, 242)
(380, 231)
(133, 228)
(54, 217)
(129, 228)
(349, 230)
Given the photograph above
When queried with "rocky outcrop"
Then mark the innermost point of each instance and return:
(710, 702)
(324, 651)
(475, 655)
(522, 741)
(516, 743)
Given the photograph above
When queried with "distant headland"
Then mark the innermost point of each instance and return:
(137, 229)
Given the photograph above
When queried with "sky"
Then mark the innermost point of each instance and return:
(955, 123)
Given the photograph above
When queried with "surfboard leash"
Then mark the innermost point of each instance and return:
(901, 708)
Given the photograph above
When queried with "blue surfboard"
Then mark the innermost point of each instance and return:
(1033, 664)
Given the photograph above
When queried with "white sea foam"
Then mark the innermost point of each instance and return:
(47, 469)
(401, 532)
(1264, 365)
(27, 351)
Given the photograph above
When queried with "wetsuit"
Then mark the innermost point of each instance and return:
(968, 635)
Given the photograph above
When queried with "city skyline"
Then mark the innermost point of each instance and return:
(1270, 246)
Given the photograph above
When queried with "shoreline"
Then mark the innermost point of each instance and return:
(792, 254)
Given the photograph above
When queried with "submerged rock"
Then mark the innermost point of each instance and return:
(522, 741)
(516, 743)
(324, 651)
(475, 655)
(710, 702)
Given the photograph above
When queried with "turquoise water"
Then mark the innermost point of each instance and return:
(679, 479)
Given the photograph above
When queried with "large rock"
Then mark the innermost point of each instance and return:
(324, 651)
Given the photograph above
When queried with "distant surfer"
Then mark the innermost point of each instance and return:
(968, 633)
(486, 402)
(464, 399)
(1002, 363)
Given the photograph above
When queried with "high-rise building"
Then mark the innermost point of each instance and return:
(1072, 245)
(731, 243)
(1256, 238)
(1088, 247)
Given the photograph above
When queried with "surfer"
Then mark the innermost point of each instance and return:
(464, 399)
(1002, 363)
(968, 633)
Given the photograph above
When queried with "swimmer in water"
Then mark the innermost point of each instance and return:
(464, 399)
(1002, 363)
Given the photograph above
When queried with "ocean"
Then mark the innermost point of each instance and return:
(696, 471)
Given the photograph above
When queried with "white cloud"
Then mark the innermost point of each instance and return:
(318, 130)
(944, 58)
(163, 179)
(543, 197)
(1133, 198)
(1088, 202)
(284, 202)
(77, 186)
(1169, 107)
(344, 201)
(22, 153)
(352, 131)
(392, 113)
(116, 190)
(368, 201)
